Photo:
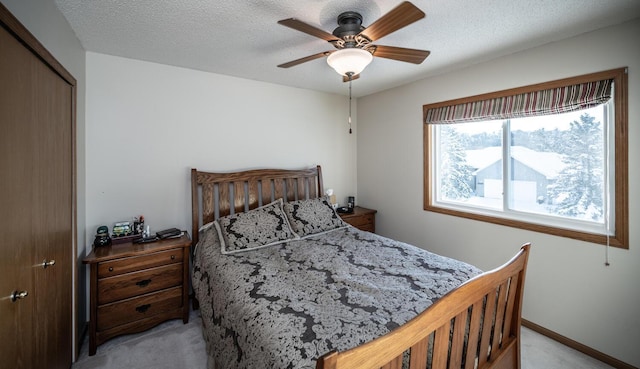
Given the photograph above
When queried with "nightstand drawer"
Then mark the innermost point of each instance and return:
(137, 286)
(138, 283)
(130, 310)
(361, 221)
(134, 263)
(361, 218)
(369, 227)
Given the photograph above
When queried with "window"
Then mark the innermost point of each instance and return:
(550, 158)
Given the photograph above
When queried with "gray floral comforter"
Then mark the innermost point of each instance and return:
(285, 305)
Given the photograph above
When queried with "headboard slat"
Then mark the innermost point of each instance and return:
(300, 190)
(224, 204)
(252, 187)
(238, 197)
(266, 185)
(312, 190)
(279, 188)
(291, 195)
(207, 203)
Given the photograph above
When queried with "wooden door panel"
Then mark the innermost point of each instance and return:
(15, 242)
(36, 198)
(52, 215)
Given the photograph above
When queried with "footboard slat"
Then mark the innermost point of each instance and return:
(441, 346)
(481, 306)
(500, 311)
(419, 353)
(474, 334)
(509, 316)
(487, 327)
(457, 340)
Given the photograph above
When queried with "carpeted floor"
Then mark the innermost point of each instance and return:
(169, 345)
(176, 345)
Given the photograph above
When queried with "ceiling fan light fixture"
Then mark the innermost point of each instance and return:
(350, 60)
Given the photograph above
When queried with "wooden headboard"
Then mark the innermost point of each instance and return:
(215, 195)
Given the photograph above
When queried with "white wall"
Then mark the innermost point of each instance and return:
(43, 19)
(148, 124)
(568, 288)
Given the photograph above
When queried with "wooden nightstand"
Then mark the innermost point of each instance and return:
(362, 218)
(137, 286)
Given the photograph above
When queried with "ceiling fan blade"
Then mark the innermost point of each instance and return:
(354, 77)
(308, 29)
(305, 59)
(414, 56)
(401, 16)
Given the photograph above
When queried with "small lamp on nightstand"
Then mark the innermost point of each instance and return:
(332, 198)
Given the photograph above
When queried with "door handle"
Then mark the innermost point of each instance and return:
(46, 263)
(18, 295)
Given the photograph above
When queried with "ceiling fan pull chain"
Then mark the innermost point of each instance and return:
(350, 80)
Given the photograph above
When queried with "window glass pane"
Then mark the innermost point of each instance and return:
(557, 164)
(556, 167)
(469, 166)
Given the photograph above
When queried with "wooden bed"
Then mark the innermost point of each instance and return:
(476, 325)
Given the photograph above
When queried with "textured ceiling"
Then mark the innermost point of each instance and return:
(242, 38)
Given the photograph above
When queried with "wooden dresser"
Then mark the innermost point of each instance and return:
(137, 286)
(361, 218)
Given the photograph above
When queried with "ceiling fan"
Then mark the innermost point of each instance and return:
(353, 42)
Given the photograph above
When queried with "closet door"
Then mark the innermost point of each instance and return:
(37, 202)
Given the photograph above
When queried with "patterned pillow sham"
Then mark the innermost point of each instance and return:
(257, 228)
(312, 216)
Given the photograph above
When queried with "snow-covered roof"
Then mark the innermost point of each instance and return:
(547, 163)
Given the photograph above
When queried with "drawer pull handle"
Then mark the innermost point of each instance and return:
(173, 257)
(144, 282)
(111, 269)
(143, 308)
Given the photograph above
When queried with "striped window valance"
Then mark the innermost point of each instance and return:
(534, 103)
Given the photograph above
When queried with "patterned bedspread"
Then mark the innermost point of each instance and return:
(285, 305)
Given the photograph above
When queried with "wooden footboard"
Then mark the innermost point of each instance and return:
(476, 325)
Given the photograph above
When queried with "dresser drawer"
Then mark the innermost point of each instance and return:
(139, 283)
(134, 263)
(133, 309)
